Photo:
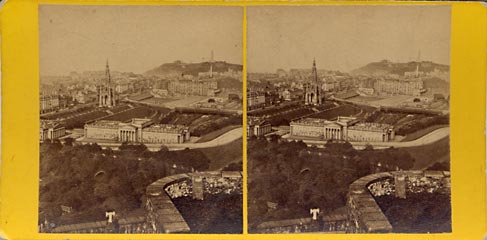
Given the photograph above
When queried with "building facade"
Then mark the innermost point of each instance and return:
(49, 103)
(139, 130)
(165, 133)
(255, 99)
(412, 87)
(205, 87)
(342, 129)
(102, 129)
(50, 130)
(370, 132)
(258, 128)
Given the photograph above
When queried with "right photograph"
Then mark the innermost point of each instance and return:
(348, 119)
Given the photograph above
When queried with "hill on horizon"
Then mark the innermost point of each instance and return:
(179, 68)
(388, 67)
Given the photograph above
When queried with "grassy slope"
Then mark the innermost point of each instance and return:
(212, 135)
(422, 132)
(221, 156)
(427, 155)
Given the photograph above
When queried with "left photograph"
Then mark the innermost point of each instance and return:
(140, 119)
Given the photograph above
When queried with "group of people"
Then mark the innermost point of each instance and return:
(222, 185)
(179, 189)
(211, 185)
(414, 184)
(425, 184)
(381, 188)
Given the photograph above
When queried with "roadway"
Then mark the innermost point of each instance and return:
(223, 139)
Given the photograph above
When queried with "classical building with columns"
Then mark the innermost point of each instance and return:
(370, 132)
(342, 129)
(50, 130)
(258, 127)
(138, 130)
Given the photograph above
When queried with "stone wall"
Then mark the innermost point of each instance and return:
(163, 214)
(365, 216)
(295, 225)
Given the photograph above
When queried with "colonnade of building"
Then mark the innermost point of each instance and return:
(333, 133)
(127, 136)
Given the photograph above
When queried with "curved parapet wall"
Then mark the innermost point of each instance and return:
(163, 214)
(365, 215)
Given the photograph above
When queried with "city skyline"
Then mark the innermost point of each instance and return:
(144, 37)
(345, 37)
(343, 71)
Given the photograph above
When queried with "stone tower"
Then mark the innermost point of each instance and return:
(106, 92)
(313, 93)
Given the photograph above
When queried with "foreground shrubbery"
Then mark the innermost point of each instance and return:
(418, 213)
(298, 178)
(219, 213)
(92, 180)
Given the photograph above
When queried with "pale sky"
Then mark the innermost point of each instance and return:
(345, 37)
(135, 38)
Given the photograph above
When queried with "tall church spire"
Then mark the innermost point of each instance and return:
(211, 64)
(313, 93)
(417, 64)
(107, 73)
(106, 91)
(314, 72)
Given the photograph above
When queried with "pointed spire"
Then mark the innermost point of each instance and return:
(107, 73)
(417, 64)
(211, 64)
(314, 71)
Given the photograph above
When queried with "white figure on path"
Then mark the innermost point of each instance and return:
(314, 212)
(110, 216)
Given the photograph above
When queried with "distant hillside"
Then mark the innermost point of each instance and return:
(230, 83)
(388, 67)
(435, 82)
(178, 68)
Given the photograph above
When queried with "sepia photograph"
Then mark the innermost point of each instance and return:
(140, 119)
(348, 119)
